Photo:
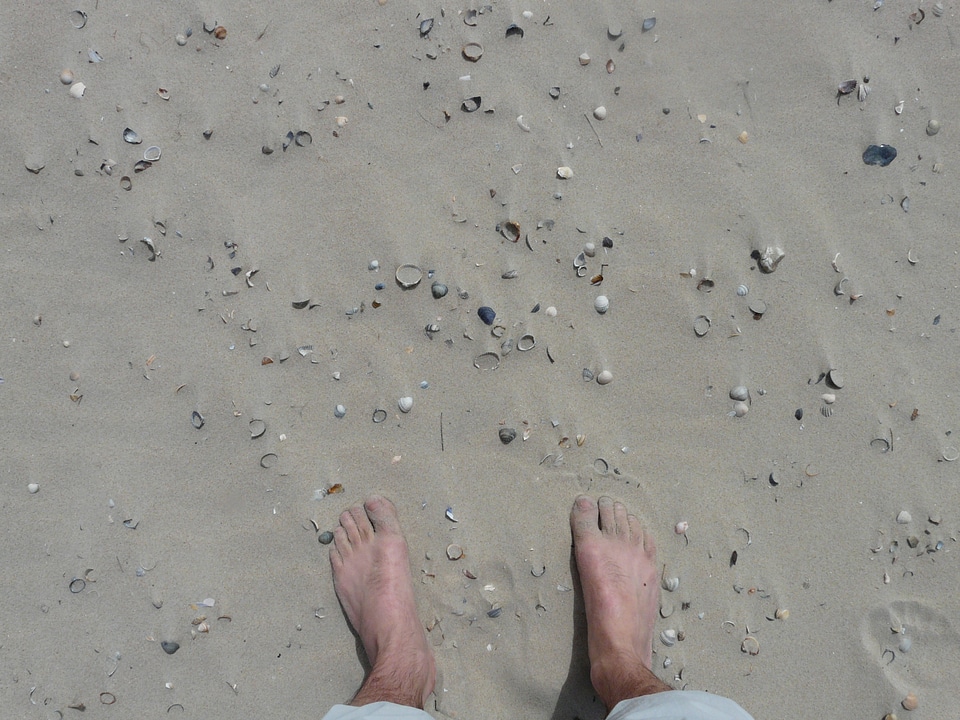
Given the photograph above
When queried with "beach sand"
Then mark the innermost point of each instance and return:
(154, 516)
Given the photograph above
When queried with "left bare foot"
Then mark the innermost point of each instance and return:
(371, 574)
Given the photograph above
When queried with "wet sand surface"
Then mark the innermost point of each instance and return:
(153, 515)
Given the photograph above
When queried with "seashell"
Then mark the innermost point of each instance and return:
(169, 646)
(472, 51)
(268, 461)
(584, 59)
(555, 92)
(526, 342)
(782, 614)
(405, 404)
(151, 154)
(66, 76)
(670, 584)
(487, 361)
(770, 258)
(513, 29)
(937, 9)
(449, 515)
(551, 311)
(438, 289)
(669, 637)
(339, 411)
(426, 26)
(78, 18)
(742, 290)
(601, 304)
(611, 66)
(431, 328)
(564, 172)
(666, 611)
(408, 276)
(325, 538)
(220, 32)
(826, 411)
(681, 527)
(257, 429)
(131, 137)
(739, 392)
(905, 644)
(835, 379)
(589, 249)
(910, 702)
(303, 138)
(740, 409)
(604, 377)
(701, 325)
(750, 645)
(506, 347)
(203, 627)
(829, 398)
(580, 261)
(77, 89)
(600, 113)
(933, 127)
(880, 155)
(648, 24)
(487, 314)
(507, 435)
(904, 518)
(454, 551)
(197, 420)
(471, 104)
(379, 415)
(846, 87)
(601, 466)
(470, 18)
(510, 229)
(33, 488)
(494, 612)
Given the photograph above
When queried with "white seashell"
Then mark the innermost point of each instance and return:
(66, 76)
(601, 304)
(681, 527)
(564, 172)
(829, 398)
(600, 113)
(742, 290)
(550, 311)
(905, 644)
(405, 404)
(903, 517)
(203, 627)
(750, 645)
(739, 392)
(669, 637)
(584, 59)
(76, 90)
(671, 584)
(589, 249)
(339, 411)
(33, 488)
(604, 377)
(740, 409)
(782, 614)
(770, 258)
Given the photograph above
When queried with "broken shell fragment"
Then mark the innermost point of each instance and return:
(197, 420)
(510, 229)
(379, 415)
(471, 104)
(835, 379)
(487, 361)
(405, 404)
(526, 342)
(303, 138)
(454, 551)
(257, 429)
(77, 89)
(408, 276)
(507, 435)
(701, 325)
(750, 645)
(426, 26)
(131, 137)
(584, 59)
(472, 51)
(564, 172)
(769, 259)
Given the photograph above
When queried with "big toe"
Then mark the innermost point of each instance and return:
(584, 518)
(382, 514)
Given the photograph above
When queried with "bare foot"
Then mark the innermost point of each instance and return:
(371, 574)
(616, 560)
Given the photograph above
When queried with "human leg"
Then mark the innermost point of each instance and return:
(616, 560)
(371, 575)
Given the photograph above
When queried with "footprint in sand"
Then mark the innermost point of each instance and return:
(912, 643)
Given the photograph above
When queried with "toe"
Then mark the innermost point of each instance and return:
(636, 530)
(620, 517)
(364, 526)
(584, 517)
(649, 545)
(341, 543)
(349, 524)
(382, 514)
(608, 520)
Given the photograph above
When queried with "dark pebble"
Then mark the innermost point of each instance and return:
(881, 155)
(487, 314)
(379, 286)
(170, 646)
(326, 537)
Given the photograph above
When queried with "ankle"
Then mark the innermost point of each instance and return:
(621, 676)
(403, 678)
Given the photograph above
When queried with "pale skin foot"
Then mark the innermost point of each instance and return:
(371, 574)
(616, 560)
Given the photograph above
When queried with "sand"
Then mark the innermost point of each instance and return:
(158, 516)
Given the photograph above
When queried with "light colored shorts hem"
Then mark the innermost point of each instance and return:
(376, 711)
(679, 705)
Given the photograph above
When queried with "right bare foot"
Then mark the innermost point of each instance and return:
(371, 574)
(616, 561)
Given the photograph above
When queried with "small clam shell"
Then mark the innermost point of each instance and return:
(910, 702)
(471, 104)
(835, 379)
(405, 404)
(601, 304)
(750, 645)
(648, 24)
(152, 153)
(454, 551)
(681, 527)
(604, 377)
(197, 420)
(486, 314)
(564, 172)
(507, 435)
(670, 584)
(740, 409)
(77, 89)
(781, 614)
(510, 229)
(408, 276)
(904, 518)
(257, 429)
(131, 137)
(472, 51)
(426, 26)
(487, 361)
(669, 637)
(739, 392)
(587, 374)
(438, 289)
(66, 76)
(701, 325)
(339, 411)
(600, 113)
(742, 290)
(203, 627)
(526, 342)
